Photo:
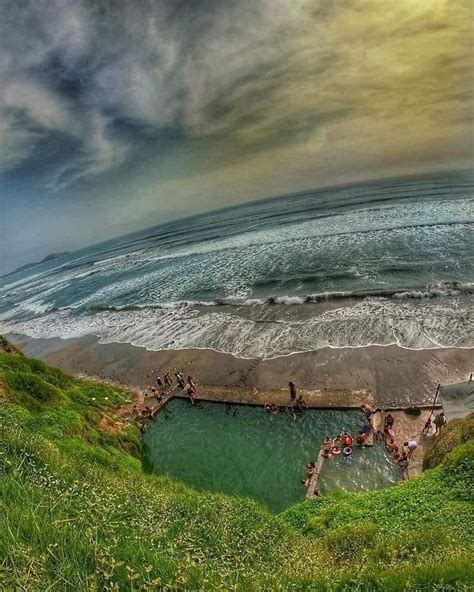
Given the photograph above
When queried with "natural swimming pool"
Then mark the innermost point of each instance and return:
(244, 451)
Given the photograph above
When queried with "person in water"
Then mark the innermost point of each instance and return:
(292, 387)
(301, 403)
(271, 408)
(391, 446)
(347, 453)
(327, 443)
(347, 440)
(361, 438)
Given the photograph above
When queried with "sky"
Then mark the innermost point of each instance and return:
(119, 114)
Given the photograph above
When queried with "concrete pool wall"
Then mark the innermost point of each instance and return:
(407, 427)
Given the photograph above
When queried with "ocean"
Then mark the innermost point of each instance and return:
(379, 263)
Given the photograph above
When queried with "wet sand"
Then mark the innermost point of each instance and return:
(385, 376)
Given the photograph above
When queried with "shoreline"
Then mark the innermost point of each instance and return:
(256, 382)
(386, 376)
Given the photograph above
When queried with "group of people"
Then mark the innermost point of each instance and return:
(163, 385)
(166, 382)
(296, 404)
(342, 444)
(400, 455)
(439, 423)
(143, 416)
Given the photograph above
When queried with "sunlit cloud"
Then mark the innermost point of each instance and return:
(215, 102)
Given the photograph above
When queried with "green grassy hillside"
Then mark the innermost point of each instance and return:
(78, 513)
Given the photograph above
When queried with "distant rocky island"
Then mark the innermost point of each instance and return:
(49, 257)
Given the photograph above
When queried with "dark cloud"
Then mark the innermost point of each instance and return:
(254, 74)
(119, 113)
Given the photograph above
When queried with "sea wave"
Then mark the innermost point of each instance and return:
(451, 289)
(412, 323)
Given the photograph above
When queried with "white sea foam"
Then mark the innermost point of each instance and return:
(298, 278)
(371, 322)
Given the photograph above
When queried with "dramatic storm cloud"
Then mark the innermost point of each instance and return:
(115, 114)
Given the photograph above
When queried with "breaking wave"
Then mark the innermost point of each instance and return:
(382, 263)
(426, 324)
(444, 290)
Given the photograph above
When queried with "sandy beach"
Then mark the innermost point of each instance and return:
(391, 376)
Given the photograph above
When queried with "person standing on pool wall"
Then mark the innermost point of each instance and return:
(292, 390)
(411, 446)
(179, 380)
(192, 394)
(301, 403)
(440, 422)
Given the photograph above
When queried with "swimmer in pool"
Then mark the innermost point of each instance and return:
(347, 453)
(391, 446)
(347, 440)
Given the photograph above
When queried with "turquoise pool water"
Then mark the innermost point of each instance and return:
(245, 451)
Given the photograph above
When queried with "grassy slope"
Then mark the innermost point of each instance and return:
(79, 513)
